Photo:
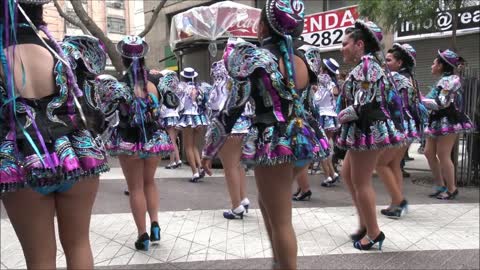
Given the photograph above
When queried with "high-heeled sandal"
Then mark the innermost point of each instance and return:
(303, 196)
(296, 193)
(448, 195)
(438, 191)
(379, 239)
(358, 235)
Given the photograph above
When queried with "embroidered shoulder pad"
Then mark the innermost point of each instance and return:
(401, 81)
(244, 58)
(110, 90)
(86, 50)
(312, 55)
(449, 83)
(368, 70)
(168, 82)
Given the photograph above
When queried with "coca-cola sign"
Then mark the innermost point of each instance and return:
(246, 28)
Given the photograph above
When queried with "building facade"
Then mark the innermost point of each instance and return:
(116, 18)
(426, 45)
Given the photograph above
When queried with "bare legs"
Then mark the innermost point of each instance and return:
(302, 180)
(139, 174)
(190, 138)
(230, 156)
(388, 168)
(357, 172)
(438, 151)
(274, 186)
(32, 217)
(189, 144)
(174, 156)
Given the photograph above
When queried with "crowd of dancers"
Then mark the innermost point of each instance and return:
(277, 108)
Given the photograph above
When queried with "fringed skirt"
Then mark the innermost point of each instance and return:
(371, 131)
(448, 121)
(328, 123)
(169, 122)
(193, 121)
(70, 157)
(270, 145)
(242, 126)
(133, 141)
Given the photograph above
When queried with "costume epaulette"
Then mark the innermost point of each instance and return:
(245, 58)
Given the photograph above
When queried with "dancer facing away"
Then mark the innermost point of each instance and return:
(366, 126)
(193, 119)
(325, 105)
(280, 142)
(138, 140)
(400, 62)
(50, 154)
(445, 122)
(231, 152)
(312, 55)
(169, 82)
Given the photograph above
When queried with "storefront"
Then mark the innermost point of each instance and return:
(435, 34)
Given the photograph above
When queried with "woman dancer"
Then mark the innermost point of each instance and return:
(400, 61)
(138, 140)
(366, 127)
(169, 82)
(231, 152)
(445, 122)
(312, 55)
(47, 143)
(280, 142)
(325, 106)
(192, 121)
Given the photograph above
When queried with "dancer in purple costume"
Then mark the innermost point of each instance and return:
(445, 122)
(280, 142)
(138, 140)
(231, 152)
(50, 152)
(400, 62)
(366, 125)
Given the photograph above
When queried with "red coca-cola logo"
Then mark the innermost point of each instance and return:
(247, 27)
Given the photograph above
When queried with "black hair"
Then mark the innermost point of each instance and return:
(446, 67)
(356, 34)
(329, 72)
(399, 54)
(34, 12)
(127, 62)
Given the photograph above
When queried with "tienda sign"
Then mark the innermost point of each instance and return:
(326, 29)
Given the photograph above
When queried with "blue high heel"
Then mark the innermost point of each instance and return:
(379, 239)
(246, 206)
(143, 242)
(230, 214)
(155, 232)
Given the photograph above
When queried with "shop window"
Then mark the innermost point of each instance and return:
(116, 25)
(119, 4)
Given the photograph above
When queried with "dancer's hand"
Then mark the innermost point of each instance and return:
(207, 166)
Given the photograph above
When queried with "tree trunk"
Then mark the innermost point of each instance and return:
(154, 17)
(97, 32)
(70, 19)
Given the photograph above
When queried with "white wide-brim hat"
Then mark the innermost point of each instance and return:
(189, 73)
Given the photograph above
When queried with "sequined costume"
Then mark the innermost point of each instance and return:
(194, 107)
(280, 133)
(169, 82)
(408, 93)
(219, 94)
(50, 146)
(365, 119)
(446, 100)
(139, 129)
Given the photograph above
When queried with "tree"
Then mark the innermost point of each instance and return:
(388, 12)
(88, 26)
